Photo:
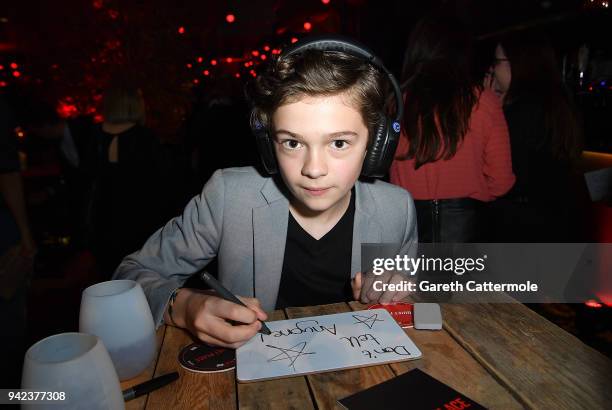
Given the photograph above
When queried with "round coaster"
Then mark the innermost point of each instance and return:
(203, 358)
(400, 311)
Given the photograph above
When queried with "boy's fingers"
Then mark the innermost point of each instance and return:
(372, 294)
(389, 296)
(399, 296)
(356, 285)
(205, 337)
(228, 333)
(254, 305)
(229, 310)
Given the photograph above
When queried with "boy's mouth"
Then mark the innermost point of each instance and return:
(316, 191)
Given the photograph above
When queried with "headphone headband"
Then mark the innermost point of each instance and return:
(349, 46)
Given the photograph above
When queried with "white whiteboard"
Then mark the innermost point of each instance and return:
(324, 343)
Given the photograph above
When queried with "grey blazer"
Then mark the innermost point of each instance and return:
(241, 217)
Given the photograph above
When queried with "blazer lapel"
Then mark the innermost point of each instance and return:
(269, 238)
(365, 227)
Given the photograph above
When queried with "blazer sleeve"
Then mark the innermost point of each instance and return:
(410, 242)
(185, 245)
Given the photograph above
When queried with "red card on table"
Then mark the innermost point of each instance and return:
(400, 311)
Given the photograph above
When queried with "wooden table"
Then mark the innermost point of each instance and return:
(504, 356)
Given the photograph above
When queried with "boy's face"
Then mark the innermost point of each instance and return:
(320, 145)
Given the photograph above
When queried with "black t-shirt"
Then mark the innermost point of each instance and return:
(317, 272)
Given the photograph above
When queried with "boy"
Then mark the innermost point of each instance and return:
(295, 238)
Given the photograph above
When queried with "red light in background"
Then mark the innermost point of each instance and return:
(325, 1)
(98, 118)
(66, 109)
(230, 18)
(14, 66)
(229, 60)
(294, 40)
(189, 65)
(16, 73)
(181, 30)
(253, 73)
(267, 47)
(255, 53)
(276, 51)
(200, 59)
(206, 72)
(196, 81)
(1, 67)
(263, 56)
(593, 304)
(246, 64)
(213, 62)
(20, 133)
(237, 75)
(307, 26)
(3, 84)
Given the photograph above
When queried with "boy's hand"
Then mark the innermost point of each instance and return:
(363, 287)
(207, 317)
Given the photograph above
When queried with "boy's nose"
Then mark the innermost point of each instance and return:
(315, 165)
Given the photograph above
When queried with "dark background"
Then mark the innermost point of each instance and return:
(67, 51)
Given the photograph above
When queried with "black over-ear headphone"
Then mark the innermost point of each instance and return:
(386, 134)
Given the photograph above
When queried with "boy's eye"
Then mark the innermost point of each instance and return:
(291, 144)
(340, 144)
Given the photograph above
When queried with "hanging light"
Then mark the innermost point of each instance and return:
(181, 30)
(307, 26)
(230, 18)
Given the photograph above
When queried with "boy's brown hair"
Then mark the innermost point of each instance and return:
(315, 73)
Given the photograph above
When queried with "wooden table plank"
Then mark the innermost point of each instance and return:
(327, 388)
(287, 393)
(444, 359)
(192, 390)
(546, 366)
(140, 402)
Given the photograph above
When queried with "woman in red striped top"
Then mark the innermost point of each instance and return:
(454, 153)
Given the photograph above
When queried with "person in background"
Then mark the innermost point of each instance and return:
(58, 204)
(545, 136)
(17, 251)
(127, 200)
(454, 150)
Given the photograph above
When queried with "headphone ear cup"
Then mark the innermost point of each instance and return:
(266, 151)
(371, 162)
